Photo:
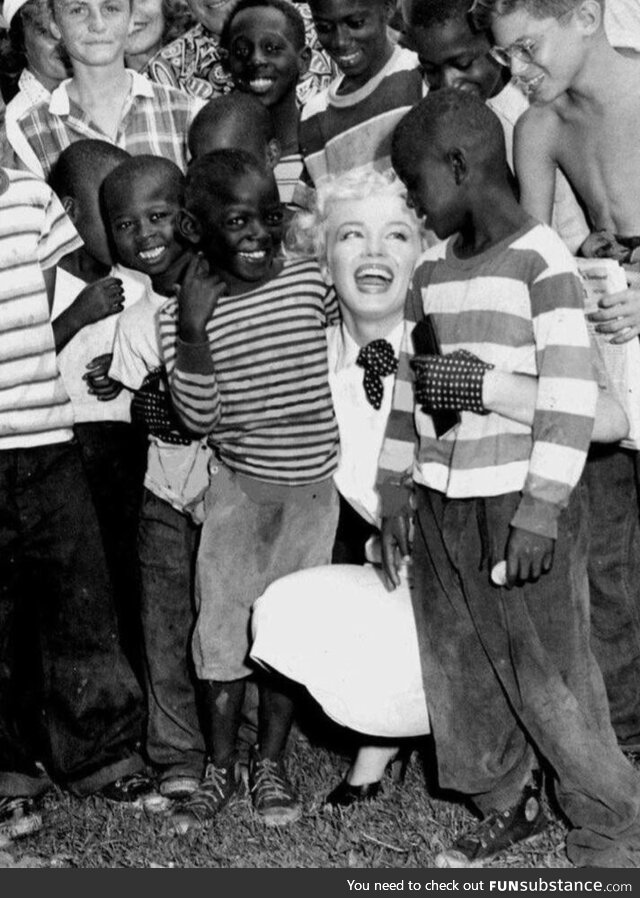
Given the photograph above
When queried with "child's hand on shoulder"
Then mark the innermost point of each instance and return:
(100, 299)
(619, 313)
(99, 383)
(198, 296)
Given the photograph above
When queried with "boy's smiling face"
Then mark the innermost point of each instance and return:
(143, 218)
(354, 33)
(263, 57)
(372, 247)
(452, 55)
(545, 53)
(94, 32)
(241, 232)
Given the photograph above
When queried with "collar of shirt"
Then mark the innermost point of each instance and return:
(34, 91)
(347, 349)
(139, 86)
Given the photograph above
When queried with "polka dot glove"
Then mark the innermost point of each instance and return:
(451, 382)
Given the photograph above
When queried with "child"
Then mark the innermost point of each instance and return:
(89, 714)
(454, 53)
(267, 56)
(196, 64)
(102, 99)
(142, 199)
(43, 63)
(247, 360)
(574, 125)
(240, 121)
(90, 294)
(502, 668)
(349, 125)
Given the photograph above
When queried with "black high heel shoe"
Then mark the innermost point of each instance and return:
(345, 794)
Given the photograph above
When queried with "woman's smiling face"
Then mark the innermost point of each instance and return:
(372, 246)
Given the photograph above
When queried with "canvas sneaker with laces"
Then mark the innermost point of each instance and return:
(273, 796)
(218, 786)
(497, 832)
(18, 817)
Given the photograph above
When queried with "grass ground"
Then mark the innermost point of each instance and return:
(405, 827)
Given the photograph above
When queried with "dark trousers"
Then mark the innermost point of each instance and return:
(508, 669)
(84, 722)
(114, 456)
(614, 583)
(168, 543)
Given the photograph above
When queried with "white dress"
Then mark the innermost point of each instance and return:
(350, 642)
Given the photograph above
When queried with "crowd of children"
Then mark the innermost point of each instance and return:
(301, 283)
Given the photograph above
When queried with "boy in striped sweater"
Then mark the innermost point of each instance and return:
(245, 351)
(508, 665)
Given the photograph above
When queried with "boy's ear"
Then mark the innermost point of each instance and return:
(304, 61)
(274, 152)
(458, 164)
(589, 16)
(53, 27)
(69, 206)
(189, 227)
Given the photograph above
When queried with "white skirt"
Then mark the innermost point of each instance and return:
(338, 631)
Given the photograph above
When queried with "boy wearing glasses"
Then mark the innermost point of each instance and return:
(584, 120)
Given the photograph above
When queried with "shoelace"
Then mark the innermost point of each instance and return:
(268, 783)
(210, 792)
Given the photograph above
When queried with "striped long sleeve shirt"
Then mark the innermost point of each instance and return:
(519, 306)
(259, 386)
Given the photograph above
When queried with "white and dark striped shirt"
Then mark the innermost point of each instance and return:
(259, 386)
(35, 234)
(518, 305)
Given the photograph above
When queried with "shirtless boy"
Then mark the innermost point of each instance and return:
(584, 119)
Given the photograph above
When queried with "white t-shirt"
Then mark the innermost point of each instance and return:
(362, 427)
(93, 340)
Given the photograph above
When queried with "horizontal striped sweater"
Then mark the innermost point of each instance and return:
(259, 385)
(520, 306)
(343, 132)
(35, 233)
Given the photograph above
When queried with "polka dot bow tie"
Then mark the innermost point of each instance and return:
(378, 360)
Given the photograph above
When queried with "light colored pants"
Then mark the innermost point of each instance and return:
(252, 534)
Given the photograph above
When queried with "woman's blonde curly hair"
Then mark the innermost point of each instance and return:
(307, 233)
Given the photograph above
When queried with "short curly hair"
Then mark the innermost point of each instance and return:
(288, 10)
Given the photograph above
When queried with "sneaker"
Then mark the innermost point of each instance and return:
(179, 787)
(133, 789)
(18, 817)
(497, 832)
(216, 789)
(274, 799)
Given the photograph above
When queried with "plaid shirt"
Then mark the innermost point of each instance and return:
(155, 119)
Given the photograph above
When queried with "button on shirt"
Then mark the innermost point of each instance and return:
(361, 426)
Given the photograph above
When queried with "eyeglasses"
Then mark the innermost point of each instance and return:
(524, 51)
